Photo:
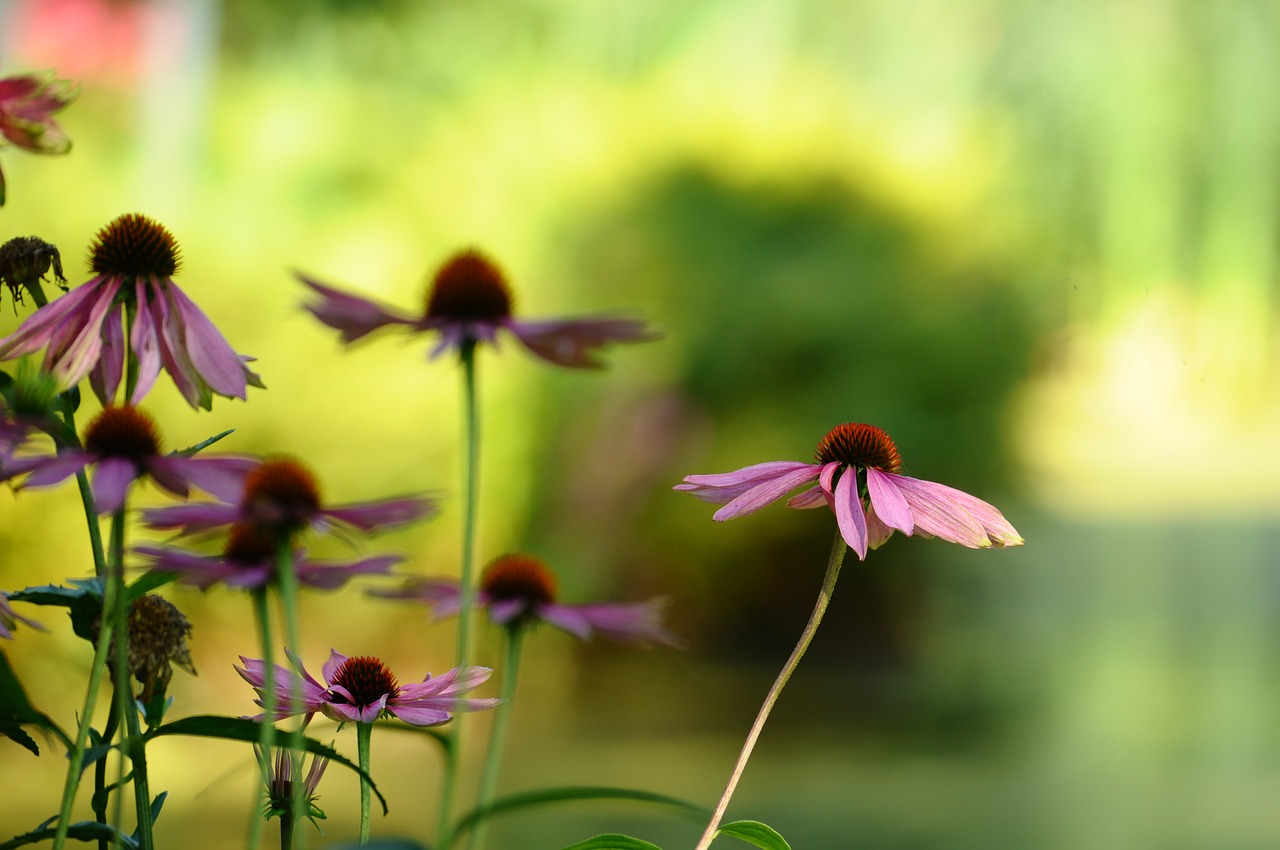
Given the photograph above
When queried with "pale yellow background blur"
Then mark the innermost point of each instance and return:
(1036, 242)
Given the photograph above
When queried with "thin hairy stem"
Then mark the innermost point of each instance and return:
(267, 731)
(498, 732)
(820, 608)
(364, 732)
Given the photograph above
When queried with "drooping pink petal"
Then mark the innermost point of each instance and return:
(144, 339)
(330, 576)
(81, 353)
(568, 618)
(503, 611)
(638, 622)
(174, 355)
(35, 333)
(202, 571)
(849, 514)
(389, 513)
(309, 694)
(104, 379)
(877, 532)
(336, 659)
(890, 506)
(111, 482)
(826, 479)
(723, 487)
(439, 594)
(168, 472)
(352, 316)
(576, 342)
(191, 518)
(222, 476)
(209, 352)
(46, 470)
(937, 511)
(420, 715)
(769, 490)
(814, 497)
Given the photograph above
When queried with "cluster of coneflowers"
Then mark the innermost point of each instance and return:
(243, 522)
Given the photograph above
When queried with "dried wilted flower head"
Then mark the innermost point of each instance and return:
(158, 634)
(24, 261)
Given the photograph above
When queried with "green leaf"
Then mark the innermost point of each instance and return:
(83, 600)
(573, 793)
(83, 831)
(16, 710)
(754, 832)
(148, 582)
(242, 729)
(614, 842)
(204, 444)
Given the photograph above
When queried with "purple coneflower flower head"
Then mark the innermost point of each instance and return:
(361, 689)
(279, 779)
(857, 474)
(519, 590)
(9, 619)
(27, 105)
(248, 561)
(468, 303)
(83, 333)
(124, 445)
(281, 496)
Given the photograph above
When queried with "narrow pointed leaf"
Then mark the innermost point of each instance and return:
(204, 444)
(574, 793)
(240, 729)
(755, 833)
(83, 831)
(16, 710)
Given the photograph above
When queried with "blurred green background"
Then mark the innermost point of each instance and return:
(1036, 242)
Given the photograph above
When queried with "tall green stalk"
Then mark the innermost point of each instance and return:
(498, 732)
(471, 486)
(819, 608)
(132, 745)
(267, 731)
(364, 733)
(287, 582)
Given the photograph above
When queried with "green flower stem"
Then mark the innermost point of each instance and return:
(267, 732)
(820, 608)
(100, 776)
(133, 746)
(286, 830)
(76, 756)
(287, 583)
(498, 732)
(471, 486)
(364, 732)
(86, 497)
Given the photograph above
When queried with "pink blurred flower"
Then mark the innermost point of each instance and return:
(361, 689)
(134, 259)
(857, 476)
(469, 302)
(280, 495)
(248, 560)
(519, 590)
(122, 442)
(27, 104)
(9, 619)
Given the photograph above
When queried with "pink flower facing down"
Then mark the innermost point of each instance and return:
(519, 590)
(9, 619)
(280, 495)
(124, 445)
(469, 302)
(248, 561)
(27, 104)
(857, 475)
(83, 333)
(361, 689)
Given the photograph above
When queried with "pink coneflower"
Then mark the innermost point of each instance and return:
(857, 475)
(361, 689)
(248, 561)
(27, 104)
(134, 259)
(281, 496)
(9, 619)
(519, 590)
(124, 445)
(469, 302)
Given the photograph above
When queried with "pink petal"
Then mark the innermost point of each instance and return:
(81, 354)
(889, 505)
(937, 511)
(35, 333)
(639, 622)
(208, 351)
(325, 576)
(351, 315)
(877, 532)
(439, 594)
(189, 518)
(48, 470)
(111, 483)
(144, 339)
(174, 356)
(575, 342)
(420, 716)
(849, 515)
(105, 377)
(814, 497)
(371, 516)
(768, 491)
(336, 660)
